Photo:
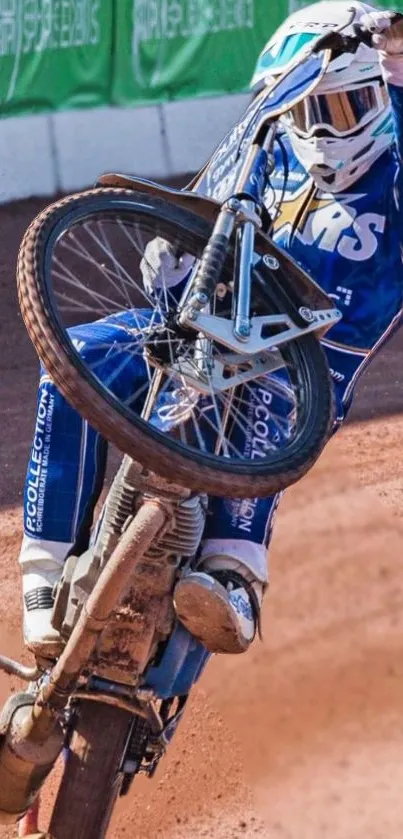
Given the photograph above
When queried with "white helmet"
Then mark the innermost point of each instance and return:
(346, 123)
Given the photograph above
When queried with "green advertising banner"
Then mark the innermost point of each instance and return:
(54, 54)
(171, 49)
(82, 53)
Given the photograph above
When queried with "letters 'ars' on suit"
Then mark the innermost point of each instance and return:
(351, 244)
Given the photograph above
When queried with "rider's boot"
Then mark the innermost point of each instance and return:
(220, 603)
(41, 571)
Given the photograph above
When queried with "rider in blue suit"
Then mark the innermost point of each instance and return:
(340, 218)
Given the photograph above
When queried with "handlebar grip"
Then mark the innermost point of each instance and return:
(362, 35)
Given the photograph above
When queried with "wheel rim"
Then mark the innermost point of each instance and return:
(92, 271)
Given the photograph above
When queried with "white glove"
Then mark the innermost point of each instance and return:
(388, 39)
(161, 267)
(385, 36)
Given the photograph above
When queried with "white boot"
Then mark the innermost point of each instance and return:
(220, 602)
(42, 565)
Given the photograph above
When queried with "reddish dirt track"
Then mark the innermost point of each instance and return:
(302, 738)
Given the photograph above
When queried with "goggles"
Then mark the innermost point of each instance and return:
(343, 112)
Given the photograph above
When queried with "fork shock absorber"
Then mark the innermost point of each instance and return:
(212, 262)
(234, 212)
(210, 267)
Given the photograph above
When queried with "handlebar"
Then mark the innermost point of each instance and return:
(349, 43)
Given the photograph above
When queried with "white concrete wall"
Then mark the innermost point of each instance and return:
(40, 155)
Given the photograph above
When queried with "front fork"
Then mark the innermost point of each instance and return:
(244, 261)
(242, 211)
(235, 212)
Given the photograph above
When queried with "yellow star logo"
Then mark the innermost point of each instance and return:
(295, 211)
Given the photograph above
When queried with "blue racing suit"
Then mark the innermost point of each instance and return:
(351, 244)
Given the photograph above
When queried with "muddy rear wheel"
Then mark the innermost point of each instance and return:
(92, 778)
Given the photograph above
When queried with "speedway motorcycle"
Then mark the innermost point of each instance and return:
(244, 323)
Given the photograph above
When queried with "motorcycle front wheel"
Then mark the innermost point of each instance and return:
(172, 399)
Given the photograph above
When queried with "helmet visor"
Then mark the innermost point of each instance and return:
(340, 113)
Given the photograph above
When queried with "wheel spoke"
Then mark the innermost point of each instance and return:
(96, 274)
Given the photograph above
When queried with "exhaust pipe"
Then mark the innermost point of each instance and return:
(31, 737)
(28, 752)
